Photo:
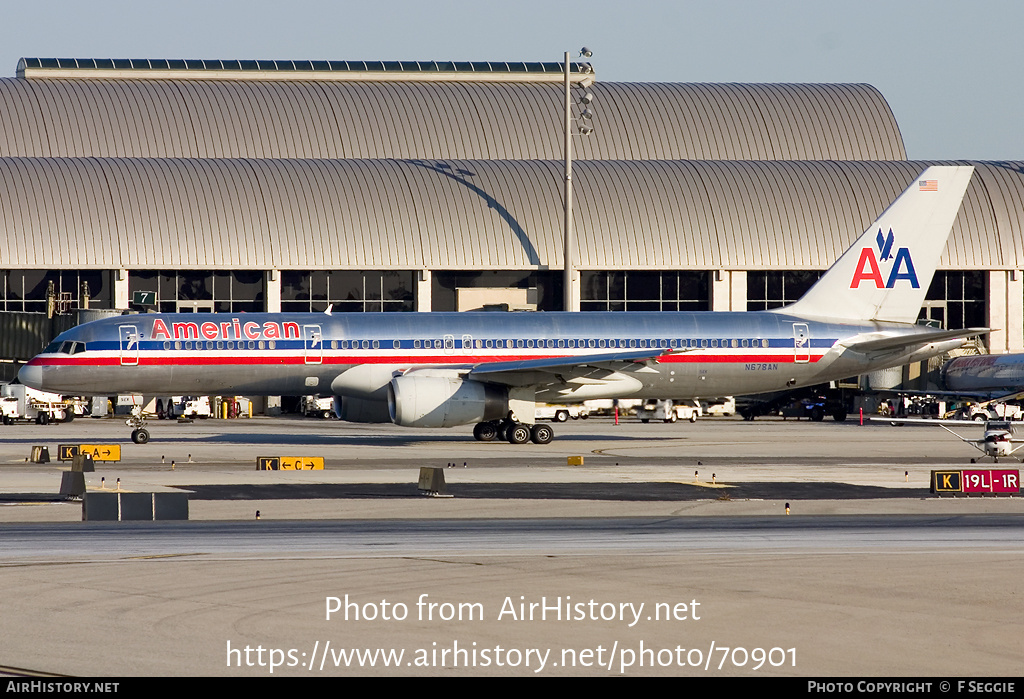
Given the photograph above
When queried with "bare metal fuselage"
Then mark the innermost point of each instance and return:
(705, 354)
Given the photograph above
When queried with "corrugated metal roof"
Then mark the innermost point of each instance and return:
(462, 214)
(319, 119)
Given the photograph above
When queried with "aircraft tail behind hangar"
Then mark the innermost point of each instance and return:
(884, 276)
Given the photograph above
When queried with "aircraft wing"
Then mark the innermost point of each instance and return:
(602, 368)
(903, 342)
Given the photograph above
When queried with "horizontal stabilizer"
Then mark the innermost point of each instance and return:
(900, 342)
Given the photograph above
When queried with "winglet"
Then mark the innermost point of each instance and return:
(886, 273)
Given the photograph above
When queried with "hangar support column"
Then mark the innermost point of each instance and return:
(272, 294)
(1006, 311)
(728, 290)
(424, 280)
(272, 287)
(121, 295)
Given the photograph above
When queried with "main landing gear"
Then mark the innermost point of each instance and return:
(513, 432)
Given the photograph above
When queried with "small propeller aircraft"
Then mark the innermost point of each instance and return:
(997, 439)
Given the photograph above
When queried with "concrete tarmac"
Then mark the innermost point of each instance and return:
(533, 567)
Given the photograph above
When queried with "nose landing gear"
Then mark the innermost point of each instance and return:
(140, 435)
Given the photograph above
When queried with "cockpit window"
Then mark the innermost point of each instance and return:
(64, 347)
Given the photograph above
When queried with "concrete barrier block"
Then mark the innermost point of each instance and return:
(432, 480)
(136, 506)
(170, 505)
(99, 507)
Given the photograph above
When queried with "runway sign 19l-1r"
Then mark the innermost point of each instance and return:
(976, 481)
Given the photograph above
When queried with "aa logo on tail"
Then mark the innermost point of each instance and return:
(869, 268)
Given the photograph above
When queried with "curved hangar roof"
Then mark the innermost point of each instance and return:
(379, 214)
(321, 118)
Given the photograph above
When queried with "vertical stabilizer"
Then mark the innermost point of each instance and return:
(886, 273)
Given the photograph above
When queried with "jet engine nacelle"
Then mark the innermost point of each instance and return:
(444, 401)
(361, 410)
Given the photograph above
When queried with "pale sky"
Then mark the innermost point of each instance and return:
(950, 70)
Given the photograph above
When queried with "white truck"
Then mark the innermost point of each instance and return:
(318, 406)
(193, 406)
(668, 411)
(21, 403)
(561, 413)
(718, 406)
(178, 406)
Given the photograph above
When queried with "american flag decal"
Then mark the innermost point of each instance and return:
(928, 186)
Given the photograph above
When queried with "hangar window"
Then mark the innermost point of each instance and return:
(774, 289)
(239, 291)
(633, 290)
(956, 300)
(28, 289)
(348, 291)
(496, 290)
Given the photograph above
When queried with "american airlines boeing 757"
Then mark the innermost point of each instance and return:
(447, 369)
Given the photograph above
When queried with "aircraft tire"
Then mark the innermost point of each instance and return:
(485, 431)
(140, 436)
(518, 433)
(542, 434)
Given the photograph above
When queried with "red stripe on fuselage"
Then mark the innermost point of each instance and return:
(146, 359)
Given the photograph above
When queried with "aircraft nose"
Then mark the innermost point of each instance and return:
(31, 375)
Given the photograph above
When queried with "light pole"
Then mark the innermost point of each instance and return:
(571, 277)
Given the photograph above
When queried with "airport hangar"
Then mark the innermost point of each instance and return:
(242, 186)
